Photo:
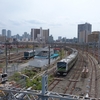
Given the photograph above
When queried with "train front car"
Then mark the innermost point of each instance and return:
(26, 55)
(29, 54)
(62, 67)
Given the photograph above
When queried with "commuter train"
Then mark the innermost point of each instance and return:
(64, 65)
(29, 54)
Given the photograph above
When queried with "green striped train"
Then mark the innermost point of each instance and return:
(64, 65)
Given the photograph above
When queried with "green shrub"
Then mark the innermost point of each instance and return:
(16, 77)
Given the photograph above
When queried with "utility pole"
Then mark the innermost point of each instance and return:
(6, 56)
(6, 49)
(33, 49)
(83, 47)
(9, 52)
(49, 57)
(61, 53)
(27, 45)
(17, 46)
(94, 49)
(99, 50)
(87, 50)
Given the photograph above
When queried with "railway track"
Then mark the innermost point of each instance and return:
(89, 83)
(53, 84)
(12, 57)
(93, 83)
(55, 81)
(74, 78)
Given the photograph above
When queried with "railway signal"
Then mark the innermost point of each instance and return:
(4, 75)
(4, 78)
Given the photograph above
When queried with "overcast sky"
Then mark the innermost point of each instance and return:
(60, 16)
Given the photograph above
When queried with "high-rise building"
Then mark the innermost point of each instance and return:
(50, 39)
(17, 36)
(3, 32)
(59, 38)
(39, 34)
(83, 31)
(25, 35)
(46, 34)
(9, 33)
(34, 34)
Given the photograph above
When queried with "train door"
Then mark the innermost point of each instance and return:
(66, 67)
(65, 72)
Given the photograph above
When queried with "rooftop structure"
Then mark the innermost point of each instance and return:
(94, 37)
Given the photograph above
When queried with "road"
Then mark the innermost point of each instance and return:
(12, 68)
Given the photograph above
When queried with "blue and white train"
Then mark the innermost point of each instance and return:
(29, 54)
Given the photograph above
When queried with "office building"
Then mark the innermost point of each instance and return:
(83, 31)
(2, 38)
(17, 36)
(50, 39)
(94, 37)
(46, 34)
(34, 34)
(3, 32)
(25, 35)
(39, 34)
(9, 33)
(59, 38)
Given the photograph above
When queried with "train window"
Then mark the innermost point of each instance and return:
(26, 54)
(61, 64)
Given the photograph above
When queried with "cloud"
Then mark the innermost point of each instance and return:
(16, 23)
(35, 21)
(94, 22)
(2, 24)
(55, 24)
